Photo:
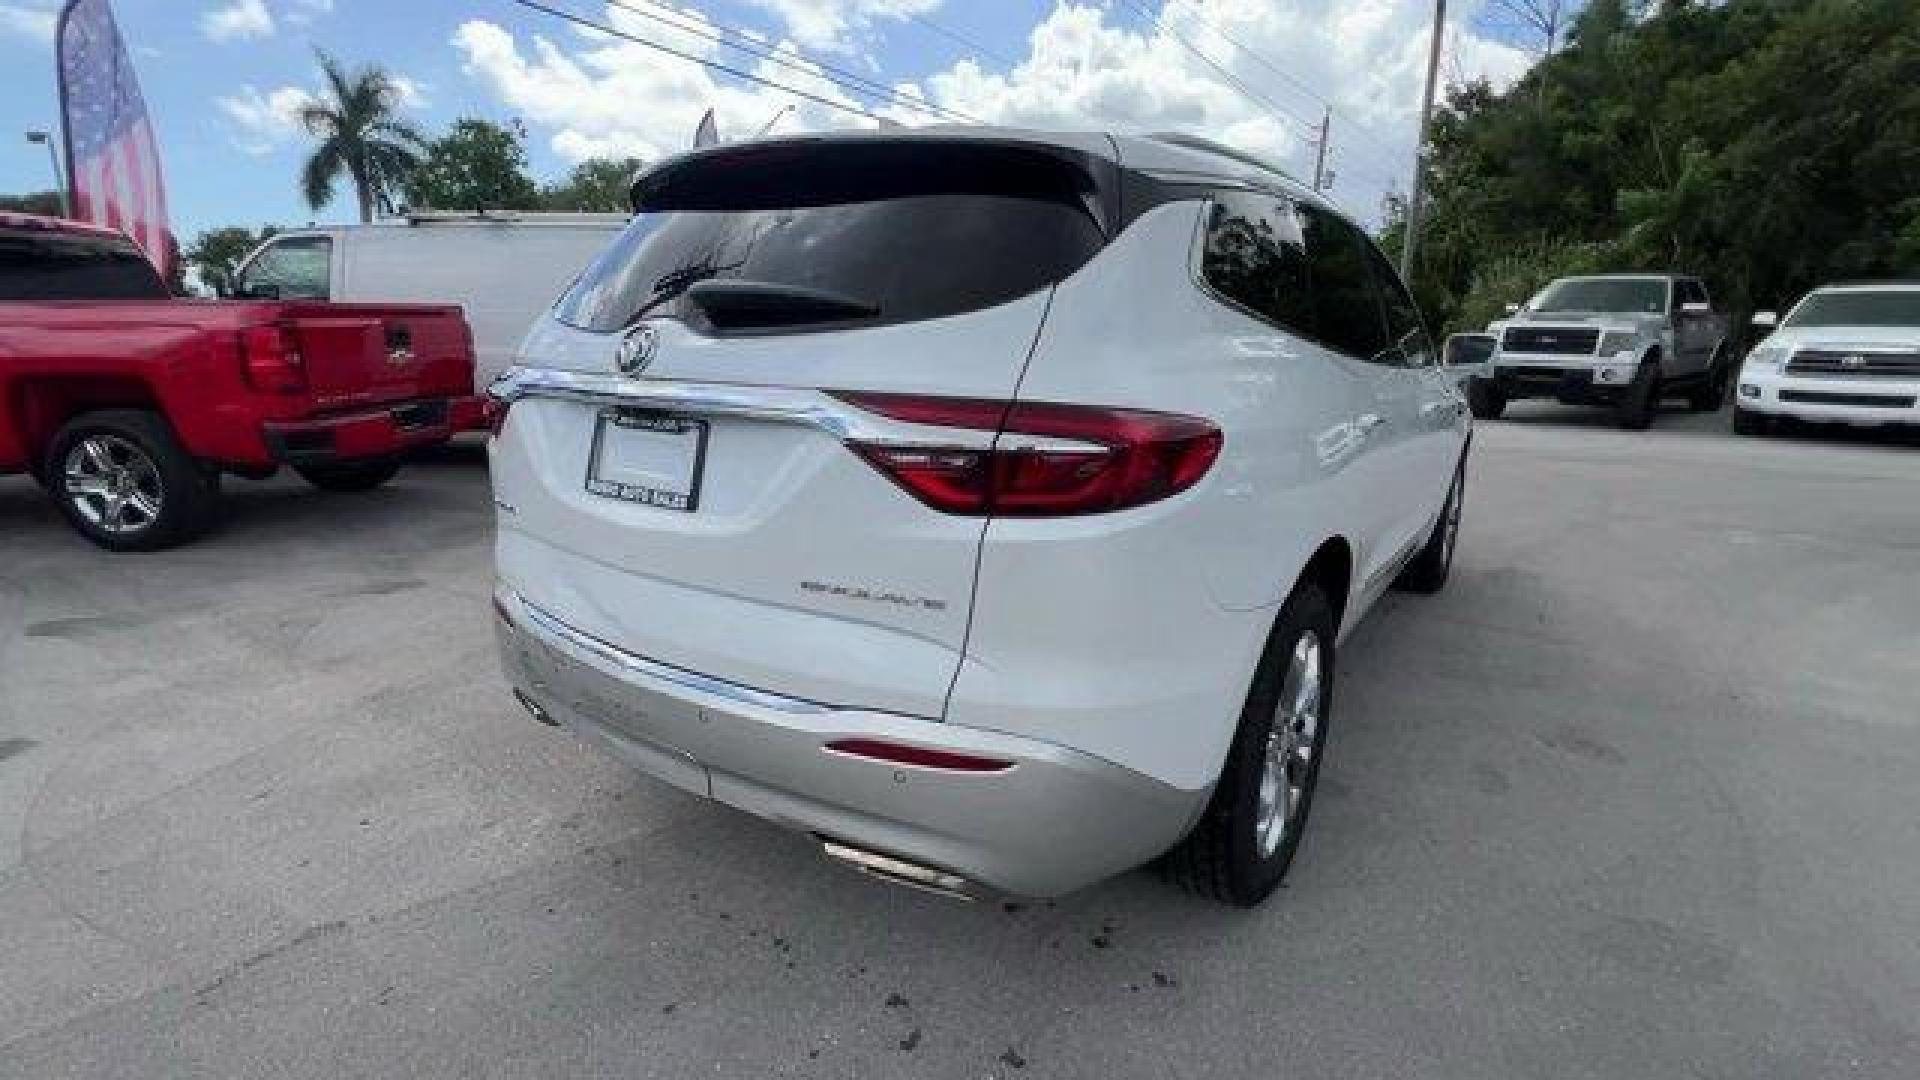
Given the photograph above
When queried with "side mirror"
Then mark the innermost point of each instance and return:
(1695, 307)
(1766, 320)
(1512, 309)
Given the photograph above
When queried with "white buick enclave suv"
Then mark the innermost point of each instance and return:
(989, 504)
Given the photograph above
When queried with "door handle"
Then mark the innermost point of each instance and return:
(1366, 422)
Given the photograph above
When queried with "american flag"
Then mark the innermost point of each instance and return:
(112, 160)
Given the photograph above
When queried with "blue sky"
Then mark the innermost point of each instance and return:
(220, 77)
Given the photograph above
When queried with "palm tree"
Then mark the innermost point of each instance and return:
(359, 135)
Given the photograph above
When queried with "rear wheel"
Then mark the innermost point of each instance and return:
(348, 475)
(125, 483)
(1485, 399)
(1243, 844)
(1427, 573)
(1636, 408)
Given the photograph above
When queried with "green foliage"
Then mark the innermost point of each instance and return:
(478, 165)
(43, 203)
(217, 254)
(360, 133)
(1768, 145)
(596, 184)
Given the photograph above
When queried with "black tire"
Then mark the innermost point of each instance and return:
(131, 485)
(1636, 408)
(1225, 858)
(1485, 399)
(1711, 394)
(1428, 571)
(1752, 424)
(348, 475)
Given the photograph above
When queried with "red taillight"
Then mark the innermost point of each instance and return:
(1046, 459)
(272, 359)
(924, 757)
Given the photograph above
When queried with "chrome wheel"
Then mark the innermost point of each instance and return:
(1293, 741)
(113, 484)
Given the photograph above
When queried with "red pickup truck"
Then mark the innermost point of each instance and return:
(128, 405)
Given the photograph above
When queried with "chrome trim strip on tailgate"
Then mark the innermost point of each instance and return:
(635, 664)
(777, 404)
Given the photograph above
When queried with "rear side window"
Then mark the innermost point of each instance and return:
(1409, 345)
(290, 268)
(1255, 257)
(1346, 306)
(46, 265)
(838, 235)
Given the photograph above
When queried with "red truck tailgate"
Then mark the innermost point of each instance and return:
(359, 354)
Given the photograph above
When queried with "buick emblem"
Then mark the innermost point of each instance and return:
(637, 349)
(1853, 361)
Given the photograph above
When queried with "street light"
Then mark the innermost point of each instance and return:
(53, 158)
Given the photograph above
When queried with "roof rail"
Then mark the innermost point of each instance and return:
(1208, 146)
(427, 217)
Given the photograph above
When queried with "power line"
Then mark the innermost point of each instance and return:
(1293, 80)
(733, 38)
(960, 39)
(1233, 80)
(579, 20)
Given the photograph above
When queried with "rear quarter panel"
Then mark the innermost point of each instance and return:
(1133, 636)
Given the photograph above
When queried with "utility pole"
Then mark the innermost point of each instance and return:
(1320, 151)
(1420, 151)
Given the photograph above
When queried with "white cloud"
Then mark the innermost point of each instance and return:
(33, 23)
(303, 12)
(412, 92)
(238, 21)
(263, 122)
(597, 94)
(836, 24)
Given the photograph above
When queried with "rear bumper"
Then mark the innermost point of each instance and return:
(385, 432)
(1860, 402)
(1052, 821)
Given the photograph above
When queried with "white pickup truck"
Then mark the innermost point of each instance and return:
(1624, 341)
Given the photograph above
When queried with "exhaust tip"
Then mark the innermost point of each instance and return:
(899, 871)
(533, 708)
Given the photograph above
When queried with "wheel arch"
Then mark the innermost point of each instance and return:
(1331, 568)
(39, 407)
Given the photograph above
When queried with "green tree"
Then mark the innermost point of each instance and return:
(477, 165)
(1768, 145)
(596, 184)
(361, 135)
(43, 203)
(217, 254)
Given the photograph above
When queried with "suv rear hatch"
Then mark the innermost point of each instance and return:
(736, 501)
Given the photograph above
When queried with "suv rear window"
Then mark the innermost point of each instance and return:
(37, 264)
(900, 232)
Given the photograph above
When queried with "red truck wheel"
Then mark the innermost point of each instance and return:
(125, 483)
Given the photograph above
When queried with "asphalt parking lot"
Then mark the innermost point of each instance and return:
(1636, 796)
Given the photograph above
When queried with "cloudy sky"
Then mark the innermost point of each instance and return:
(224, 76)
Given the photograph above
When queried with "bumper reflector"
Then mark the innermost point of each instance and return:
(920, 756)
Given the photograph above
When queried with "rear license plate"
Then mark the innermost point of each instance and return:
(649, 458)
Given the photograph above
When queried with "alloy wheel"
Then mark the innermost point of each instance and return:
(1293, 742)
(113, 484)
